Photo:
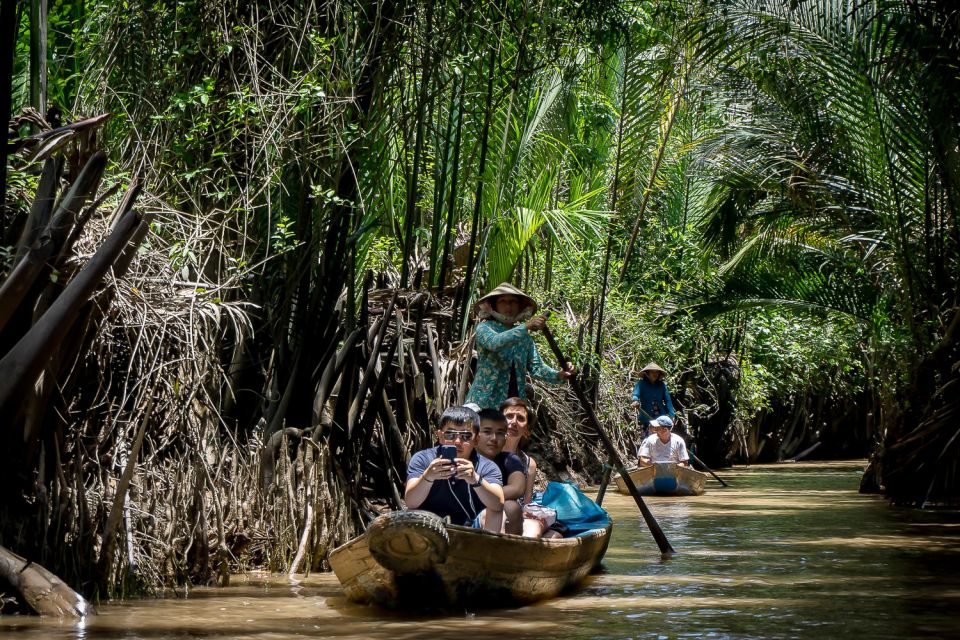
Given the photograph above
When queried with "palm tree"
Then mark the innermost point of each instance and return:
(833, 190)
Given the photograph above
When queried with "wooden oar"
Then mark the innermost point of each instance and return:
(709, 470)
(605, 480)
(693, 457)
(658, 535)
(704, 465)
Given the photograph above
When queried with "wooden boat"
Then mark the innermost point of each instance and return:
(409, 568)
(665, 479)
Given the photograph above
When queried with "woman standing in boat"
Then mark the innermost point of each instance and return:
(650, 395)
(505, 349)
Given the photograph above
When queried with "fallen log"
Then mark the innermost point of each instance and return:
(42, 591)
(803, 454)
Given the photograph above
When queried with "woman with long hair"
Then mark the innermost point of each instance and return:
(538, 520)
(520, 421)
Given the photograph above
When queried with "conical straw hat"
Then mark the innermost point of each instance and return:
(507, 289)
(653, 366)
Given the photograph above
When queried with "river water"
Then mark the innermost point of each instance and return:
(788, 551)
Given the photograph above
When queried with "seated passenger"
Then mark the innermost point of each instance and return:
(461, 489)
(493, 433)
(520, 420)
(662, 445)
(538, 521)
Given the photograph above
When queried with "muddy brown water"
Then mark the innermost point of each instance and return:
(789, 551)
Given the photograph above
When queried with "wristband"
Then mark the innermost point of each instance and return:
(424, 478)
(476, 484)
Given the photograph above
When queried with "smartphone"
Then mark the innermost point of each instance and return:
(449, 452)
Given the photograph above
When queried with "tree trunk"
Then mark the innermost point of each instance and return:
(8, 42)
(38, 55)
(460, 320)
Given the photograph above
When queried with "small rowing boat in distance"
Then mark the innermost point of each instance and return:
(412, 560)
(665, 479)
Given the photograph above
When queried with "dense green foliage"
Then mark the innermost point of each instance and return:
(778, 132)
(760, 195)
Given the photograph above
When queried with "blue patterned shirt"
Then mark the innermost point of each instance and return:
(498, 347)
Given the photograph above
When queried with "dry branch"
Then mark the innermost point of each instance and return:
(119, 497)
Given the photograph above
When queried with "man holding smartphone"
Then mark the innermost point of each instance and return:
(459, 488)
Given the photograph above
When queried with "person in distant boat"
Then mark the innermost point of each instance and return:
(490, 441)
(663, 445)
(651, 398)
(460, 489)
(505, 350)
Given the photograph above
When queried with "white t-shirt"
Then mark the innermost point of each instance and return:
(674, 450)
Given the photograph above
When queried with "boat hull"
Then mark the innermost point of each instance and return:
(665, 479)
(482, 569)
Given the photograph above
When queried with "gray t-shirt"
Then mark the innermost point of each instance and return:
(453, 498)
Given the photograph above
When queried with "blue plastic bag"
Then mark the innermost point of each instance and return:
(576, 511)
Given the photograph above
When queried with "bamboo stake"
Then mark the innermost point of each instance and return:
(452, 206)
(38, 55)
(411, 218)
(461, 312)
(607, 469)
(8, 41)
(119, 498)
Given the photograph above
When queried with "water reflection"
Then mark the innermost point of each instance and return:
(788, 551)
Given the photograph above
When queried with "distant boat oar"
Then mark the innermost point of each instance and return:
(658, 535)
(709, 470)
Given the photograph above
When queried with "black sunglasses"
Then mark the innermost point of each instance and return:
(451, 436)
